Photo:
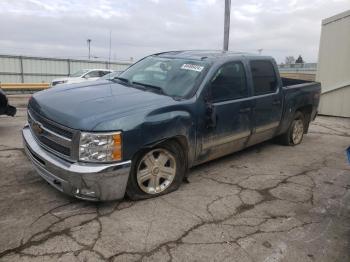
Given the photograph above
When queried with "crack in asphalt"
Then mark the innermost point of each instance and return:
(333, 129)
(240, 209)
(330, 134)
(30, 242)
(168, 246)
(20, 149)
(182, 209)
(50, 212)
(179, 241)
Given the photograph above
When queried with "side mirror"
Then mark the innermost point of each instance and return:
(86, 76)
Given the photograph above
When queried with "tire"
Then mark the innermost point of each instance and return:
(156, 171)
(295, 133)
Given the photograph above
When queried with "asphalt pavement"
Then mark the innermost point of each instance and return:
(267, 203)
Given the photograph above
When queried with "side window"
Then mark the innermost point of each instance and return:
(102, 73)
(229, 82)
(93, 74)
(264, 77)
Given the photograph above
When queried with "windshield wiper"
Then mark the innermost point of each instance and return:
(156, 88)
(123, 80)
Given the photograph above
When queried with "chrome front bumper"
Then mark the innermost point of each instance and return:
(96, 182)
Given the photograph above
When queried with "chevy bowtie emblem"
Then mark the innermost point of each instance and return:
(37, 128)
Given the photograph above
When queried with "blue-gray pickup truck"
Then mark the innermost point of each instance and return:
(140, 132)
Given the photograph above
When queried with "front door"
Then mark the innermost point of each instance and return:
(231, 108)
(267, 98)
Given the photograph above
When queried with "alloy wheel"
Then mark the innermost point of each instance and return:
(298, 131)
(156, 171)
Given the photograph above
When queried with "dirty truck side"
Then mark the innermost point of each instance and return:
(140, 132)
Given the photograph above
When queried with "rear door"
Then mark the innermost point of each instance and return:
(231, 105)
(267, 97)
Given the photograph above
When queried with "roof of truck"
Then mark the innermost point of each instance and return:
(204, 54)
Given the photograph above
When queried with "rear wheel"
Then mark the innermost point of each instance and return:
(295, 133)
(157, 171)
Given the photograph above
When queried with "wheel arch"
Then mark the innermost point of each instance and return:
(306, 111)
(181, 140)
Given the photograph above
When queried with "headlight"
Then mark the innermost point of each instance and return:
(61, 82)
(100, 147)
(58, 82)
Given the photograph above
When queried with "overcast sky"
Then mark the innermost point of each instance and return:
(60, 28)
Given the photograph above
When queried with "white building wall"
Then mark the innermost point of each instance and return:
(334, 65)
(336, 103)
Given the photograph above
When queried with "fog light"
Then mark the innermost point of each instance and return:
(84, 192)
(87, 192)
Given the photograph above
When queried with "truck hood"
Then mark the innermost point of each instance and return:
(85, 106)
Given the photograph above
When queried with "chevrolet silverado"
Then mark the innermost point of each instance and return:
(141, 131)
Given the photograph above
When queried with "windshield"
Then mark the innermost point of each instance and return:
(172, 76)
(79, 73)
(110, 75)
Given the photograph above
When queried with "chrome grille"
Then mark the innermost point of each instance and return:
(52, 136)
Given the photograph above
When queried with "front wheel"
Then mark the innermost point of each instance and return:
(295, 133)
(156, 171)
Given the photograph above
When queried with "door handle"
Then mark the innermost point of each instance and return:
(276, 102)
(245, 110)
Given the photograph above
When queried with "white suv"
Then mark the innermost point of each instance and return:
(81, 76)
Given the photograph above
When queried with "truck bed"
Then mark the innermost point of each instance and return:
(299, 94)
(291, 81)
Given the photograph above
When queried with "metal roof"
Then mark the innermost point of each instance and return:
(336, 18)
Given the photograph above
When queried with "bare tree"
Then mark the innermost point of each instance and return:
(289, 60)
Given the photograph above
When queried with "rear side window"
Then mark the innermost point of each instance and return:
(93, 74)
(229, 82)
(102, 73)
(264, 77)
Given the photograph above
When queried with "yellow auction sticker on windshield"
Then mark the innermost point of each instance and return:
(197, 68)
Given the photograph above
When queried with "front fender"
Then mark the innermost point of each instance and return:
(149, 126)
(160, 127)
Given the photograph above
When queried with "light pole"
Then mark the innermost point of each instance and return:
(110, 49)
(89, 43)
(227, 24)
